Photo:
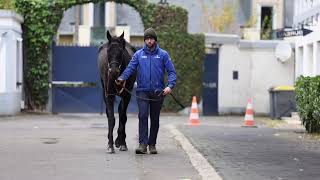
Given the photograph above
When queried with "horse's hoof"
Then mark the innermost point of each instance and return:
(110, 149)
(123, 148)
(117, 143)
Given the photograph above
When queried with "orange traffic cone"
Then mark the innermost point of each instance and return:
(194, 113)
(248, 119)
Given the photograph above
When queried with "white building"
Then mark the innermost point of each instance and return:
(11, 74)
(81, 23)
(258, 70)
(85, 23)
(307, 15)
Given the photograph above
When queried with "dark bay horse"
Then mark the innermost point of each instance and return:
(114, 57)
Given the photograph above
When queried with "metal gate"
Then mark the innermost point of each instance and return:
(76, 86)
(210, 84)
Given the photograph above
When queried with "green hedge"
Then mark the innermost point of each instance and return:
(308, 102)
(170, 19)
(187, 53)
(41, 22)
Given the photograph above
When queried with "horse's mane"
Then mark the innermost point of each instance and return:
(133, 49)
(102, 46)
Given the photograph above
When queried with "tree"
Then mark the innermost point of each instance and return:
(219, 21)
(6, 4)
(266, 28)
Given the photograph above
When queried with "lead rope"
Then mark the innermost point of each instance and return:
(148, 99)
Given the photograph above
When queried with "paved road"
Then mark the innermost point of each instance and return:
(39, 147)
(255, 153)
(73, 147)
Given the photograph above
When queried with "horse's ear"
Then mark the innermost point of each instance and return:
(123, 40)
(122, 35)
(108, 36)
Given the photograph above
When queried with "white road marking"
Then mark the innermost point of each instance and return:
(206, 171)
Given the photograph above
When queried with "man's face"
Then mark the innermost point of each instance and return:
(150, 42)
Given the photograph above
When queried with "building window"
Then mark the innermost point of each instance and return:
(266, 22)
(81, 15)
(99, 14)
(235, 75)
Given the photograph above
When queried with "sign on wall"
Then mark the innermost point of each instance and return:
(282, 33)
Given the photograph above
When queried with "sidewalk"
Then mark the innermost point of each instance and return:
(65, 147)
(275, 150)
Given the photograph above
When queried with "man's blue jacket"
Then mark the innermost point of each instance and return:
(151, 68)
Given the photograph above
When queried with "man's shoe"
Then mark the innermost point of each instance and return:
(142, 149)
(153, 149)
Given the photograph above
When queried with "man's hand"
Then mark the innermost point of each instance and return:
(166, 91)
(120, 81)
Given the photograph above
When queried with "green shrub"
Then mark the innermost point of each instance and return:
(187, 53)
(308, 102)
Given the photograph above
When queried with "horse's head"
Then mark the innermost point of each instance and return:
(115, 51)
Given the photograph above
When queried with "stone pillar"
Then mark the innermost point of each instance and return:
(308, 60)
(316, 62)
(87, 19)
(298, 61)
(10, 62)
(110, 15)
(3, 58)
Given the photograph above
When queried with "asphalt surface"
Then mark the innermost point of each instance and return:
(64, 147)
(260, 153)
(74, 147)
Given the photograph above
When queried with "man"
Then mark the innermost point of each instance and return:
(150, 63)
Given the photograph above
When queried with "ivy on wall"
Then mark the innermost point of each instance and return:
(42, 19)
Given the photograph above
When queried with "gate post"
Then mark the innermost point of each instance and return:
(11, 73)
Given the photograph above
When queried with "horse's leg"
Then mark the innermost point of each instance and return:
(104, 96)
(111, 122)
(119, 141)
(122, 109)
(103, 93)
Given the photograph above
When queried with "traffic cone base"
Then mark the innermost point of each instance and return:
(249, 124)
(194, 122)
(194, 113)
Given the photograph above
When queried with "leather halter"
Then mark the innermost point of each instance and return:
(108, 78)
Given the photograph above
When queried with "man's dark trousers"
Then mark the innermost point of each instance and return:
(146, 106)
